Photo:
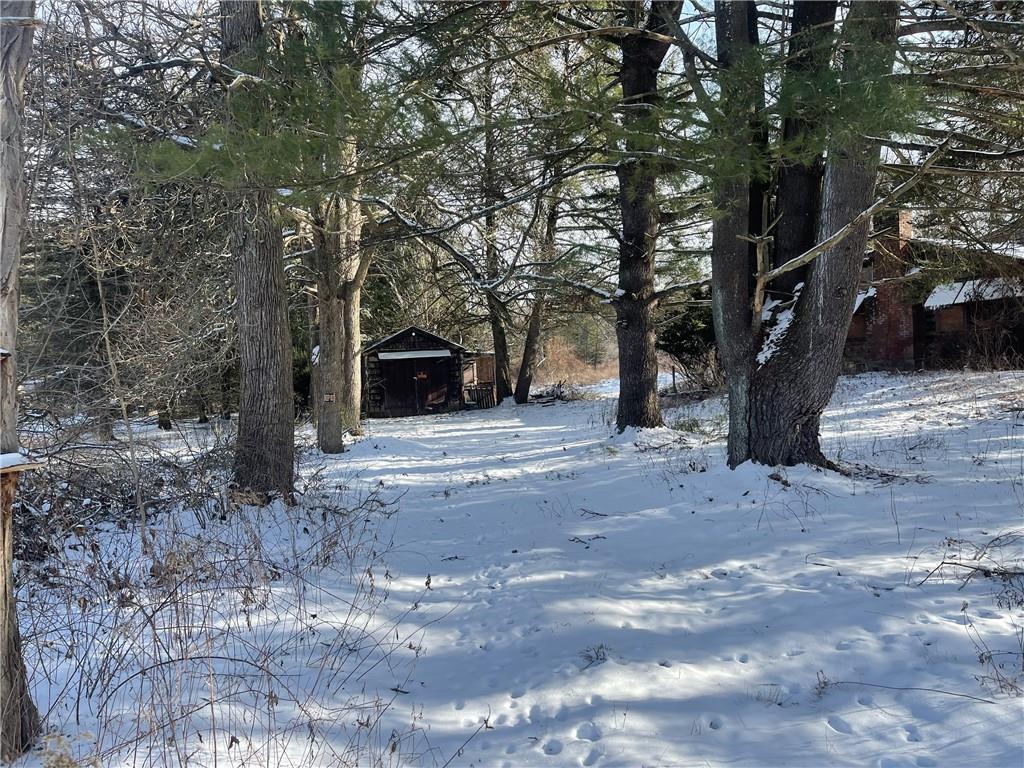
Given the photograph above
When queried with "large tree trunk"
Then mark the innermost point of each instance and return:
(731, 263)
(264, 451)
(342, 266)
(638, 203)
(19, 720)
(797, 196)
(330, 430)
(777, 397)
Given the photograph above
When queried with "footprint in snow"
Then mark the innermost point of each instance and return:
(588, 732)
(839, 725)
(553, 747)
(912, 733)
(591, 757)
(743, 658)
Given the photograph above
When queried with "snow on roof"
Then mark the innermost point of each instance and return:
(1010, 249)
(862, 296)
(414, 354)
(989, 289)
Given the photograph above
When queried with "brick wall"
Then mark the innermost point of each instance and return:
(890, 332)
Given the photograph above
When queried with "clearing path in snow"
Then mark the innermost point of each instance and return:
(588, 599)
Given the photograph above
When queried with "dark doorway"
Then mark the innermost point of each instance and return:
(416, 386)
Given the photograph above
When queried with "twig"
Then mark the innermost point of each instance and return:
(912, 688)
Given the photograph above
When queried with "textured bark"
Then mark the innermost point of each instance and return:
(495, 308)
(790, 392)
(19, 720)
(342, 265)
(531, 351)
(730, 257)
(638, 205)
(264, 451)
(330, 369)
(797, 196)
(779, 401)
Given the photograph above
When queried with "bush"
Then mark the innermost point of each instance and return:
(688, 337)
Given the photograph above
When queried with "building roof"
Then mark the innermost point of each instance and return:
(414, 329)
(965, 291)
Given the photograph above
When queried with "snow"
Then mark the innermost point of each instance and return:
(8, 460)
(775, 336)
(560, 595)
(414, 354)
(986, 289)
(778, 330)
(138, 122)
(862, 296)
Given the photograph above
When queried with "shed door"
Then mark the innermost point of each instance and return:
(416, 386)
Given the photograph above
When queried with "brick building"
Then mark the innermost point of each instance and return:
(904, 322)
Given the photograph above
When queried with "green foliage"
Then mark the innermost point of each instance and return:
(688, 335)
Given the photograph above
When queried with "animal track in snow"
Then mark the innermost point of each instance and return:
(912, 733)
(553, 747)
(588, 732)
(591, 757)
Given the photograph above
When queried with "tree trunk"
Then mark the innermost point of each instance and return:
(19, 719)
(502, 366)
(314, 357)
(637, 176)
(531, 351)
(730, 258)
(264, 451)
(330, 430)
(798, 196)
(776, 401)
(352, 373)
(532, 346)
(496, 311)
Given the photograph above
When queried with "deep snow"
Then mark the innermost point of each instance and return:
(565, 596)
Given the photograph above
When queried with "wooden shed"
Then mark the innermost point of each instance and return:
(414, 372)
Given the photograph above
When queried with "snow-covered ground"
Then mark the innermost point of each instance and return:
(558, 595)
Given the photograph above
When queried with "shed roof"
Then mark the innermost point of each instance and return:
(414, 329)
(966, 291)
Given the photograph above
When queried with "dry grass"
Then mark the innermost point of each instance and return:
(562, 364)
